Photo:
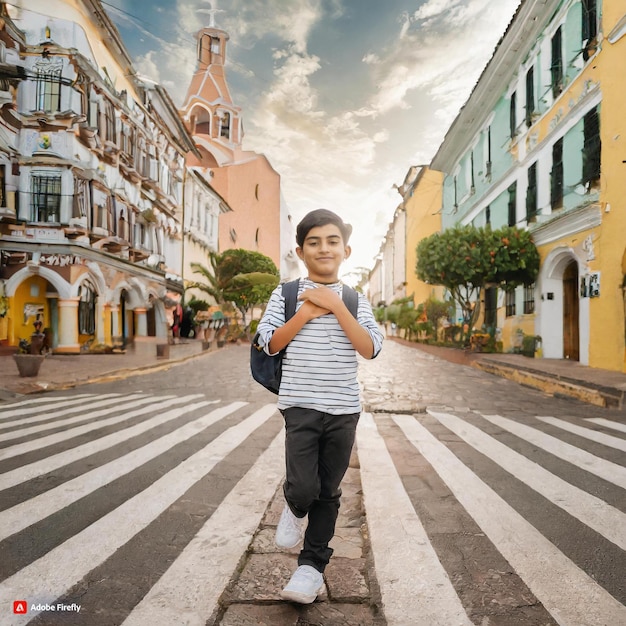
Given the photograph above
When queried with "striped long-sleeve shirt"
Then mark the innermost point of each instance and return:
(319, 364)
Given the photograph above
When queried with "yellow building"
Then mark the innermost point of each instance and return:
(423, 218)
(540, 145)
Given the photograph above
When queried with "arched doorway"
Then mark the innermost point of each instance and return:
(571, 335)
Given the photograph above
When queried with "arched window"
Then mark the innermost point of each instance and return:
(202, 121)
(87, 309)
(225, 126)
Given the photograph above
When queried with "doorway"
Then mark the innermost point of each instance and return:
(571, 340)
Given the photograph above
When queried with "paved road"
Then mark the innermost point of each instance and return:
(486, 502)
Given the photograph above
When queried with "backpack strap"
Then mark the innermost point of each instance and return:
(351, 300)
(290, 293)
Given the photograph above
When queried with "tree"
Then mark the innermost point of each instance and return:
(214, 284)
(464, 259)
(243, 277)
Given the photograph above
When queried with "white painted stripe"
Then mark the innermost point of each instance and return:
(593, 435)
(42, 442)
(600, 421)
(35, 405)
(611, 472)
(57, 571)
(31, 511)
(37, 468)
(33, 430)
(560, 585)
(188, 592)
(590, 510)
(414, 586)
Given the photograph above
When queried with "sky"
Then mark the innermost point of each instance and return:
(342, 96)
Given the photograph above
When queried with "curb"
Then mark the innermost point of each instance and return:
(551, 385)
(33, 388)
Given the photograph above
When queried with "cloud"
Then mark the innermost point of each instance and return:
(442, 49)
(435, 7)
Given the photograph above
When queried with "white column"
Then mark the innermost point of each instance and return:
(141, 322)
(100, 313)
(115, 320)
(68, 326)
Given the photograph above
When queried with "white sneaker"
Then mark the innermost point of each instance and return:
(289, 531)
(304, 585)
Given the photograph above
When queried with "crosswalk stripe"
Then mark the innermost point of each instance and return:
(66, 564)
(37, 468)
(587, 433)
(31, 511)
(38, 405)
(563, 588)
(189, 590)
(611, 472)
(33, 430)
(414, 586)
(601, 421)
(49, 440)
(592, 511)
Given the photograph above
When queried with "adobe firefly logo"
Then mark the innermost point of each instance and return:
(20, 607)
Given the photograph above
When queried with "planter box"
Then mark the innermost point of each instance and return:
(163, 351)
(28, 364)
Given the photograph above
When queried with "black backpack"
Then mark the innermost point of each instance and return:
(267, 370)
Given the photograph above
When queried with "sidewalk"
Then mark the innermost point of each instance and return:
(63, 371)
(558, 377)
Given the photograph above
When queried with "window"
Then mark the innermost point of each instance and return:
(46, 198)
(215, 45)
(49, 89)
(513, 115)
(531, 193)
(90, 106)
(530, 96)
(102, 216)
(589, 27)
(109, 121)
(488, 163)
(456, 195)
(556, 67)
(491, 305)
(488, 215)
(139, 234)
(87, 310)
(556, 176)
(122, 222)
(512, 204)
(510, 303)
(142, 164)
(529, 299)
(81, 198)
(592, 146)
(225, 126)
(3, 196)
(128, 140)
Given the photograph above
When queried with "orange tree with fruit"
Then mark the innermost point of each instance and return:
(466, 259)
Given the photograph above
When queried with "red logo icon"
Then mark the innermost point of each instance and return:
(20, 607)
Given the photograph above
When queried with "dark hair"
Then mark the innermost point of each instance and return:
(321, 217)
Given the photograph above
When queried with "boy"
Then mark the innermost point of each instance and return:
(319, 394)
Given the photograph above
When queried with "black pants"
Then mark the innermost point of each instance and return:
(317, 452)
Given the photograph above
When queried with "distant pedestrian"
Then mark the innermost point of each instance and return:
(319, 394)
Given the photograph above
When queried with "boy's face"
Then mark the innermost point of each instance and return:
(322, 252)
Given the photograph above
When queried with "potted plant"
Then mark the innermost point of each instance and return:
(30, 354)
